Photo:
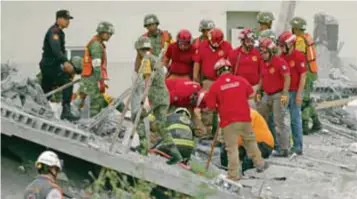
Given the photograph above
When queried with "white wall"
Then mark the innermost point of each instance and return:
(24, 23)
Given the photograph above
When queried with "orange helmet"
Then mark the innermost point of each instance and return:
(286, 38)
(215, 37)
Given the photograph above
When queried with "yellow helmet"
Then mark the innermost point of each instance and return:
(151, 118)
(108, 98)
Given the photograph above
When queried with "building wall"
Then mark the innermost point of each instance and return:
(24, 23)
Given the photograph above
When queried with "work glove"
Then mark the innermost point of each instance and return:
(258, 97)
(284, 99)
(299, 98)
(67, 67)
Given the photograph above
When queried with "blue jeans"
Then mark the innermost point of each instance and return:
(296, 123)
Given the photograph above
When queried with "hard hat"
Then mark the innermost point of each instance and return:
(206, 24)
(77, 62)
(201, 95)
(108, 98)
(50, 159)
(151, 19)
(151, 118)
(183, 110)
(105, 27)
(184, 36)
(286, 38)
(298, 22)
(246, 33)
(267, 34)
(143, 42)
(265, 17)
(267, 43)
(215, 37)
(222, 63)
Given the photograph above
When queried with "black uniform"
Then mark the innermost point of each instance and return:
(53, 57)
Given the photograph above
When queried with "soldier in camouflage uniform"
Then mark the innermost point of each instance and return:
(298, 25)
(158, 96)
(205, 26)
(265, 20)
(159, 38)
(94, 73)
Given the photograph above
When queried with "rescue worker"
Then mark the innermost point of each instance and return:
(305, 44)
(246, 59)
(275, 83)
(48, 166)
(264, 138)
(94, 73)
(159, 98)
(159, 38)
(229, 94)
(205, 26)
(296, 62)
(209, 52)
(180, 126)
(265, 20)
(181, 93)
(55, 68)
(180, 54)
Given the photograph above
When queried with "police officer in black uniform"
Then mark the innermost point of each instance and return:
(55, 68)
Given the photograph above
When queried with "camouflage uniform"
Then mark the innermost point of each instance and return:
(264, 18)
(89, 84)
(160, 100)
(308, 109)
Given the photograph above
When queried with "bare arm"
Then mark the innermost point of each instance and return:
(196, 71)
(137, 62)
(302, 83)
(286, 83)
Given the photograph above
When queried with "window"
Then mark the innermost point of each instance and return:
(72, 51)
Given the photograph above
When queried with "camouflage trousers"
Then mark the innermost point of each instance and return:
(308, 110)
(159, 126)
(89, 87)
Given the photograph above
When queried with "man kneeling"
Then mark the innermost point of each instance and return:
(181, 128)
(264, 138)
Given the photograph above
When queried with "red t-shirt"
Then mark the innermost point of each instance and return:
(273, 74)
(296, 61)
(207, 57)
(230, 94)
(181, 61)
(248, 66)
(180, 90)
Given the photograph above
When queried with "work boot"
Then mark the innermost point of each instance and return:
(262, 167)
(280, 153)
(67, 114)
(175, 155)
(316, 125)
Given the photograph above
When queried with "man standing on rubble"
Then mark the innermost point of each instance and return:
(205, 26)
(229, 95)
(94, 72)
(246, 59)
(296, 62)
(265, 20)
(275, 83)
(305, 44)
(48, 166)
(209, 52)
(55, 68)
(182, 92)
(159, 38)
(158, 97)
(180, 55)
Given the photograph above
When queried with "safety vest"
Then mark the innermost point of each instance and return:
(87, 68)
(165, 37)
(310, 53)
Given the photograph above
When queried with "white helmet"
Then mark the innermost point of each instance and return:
(184, 110)
(49, 158)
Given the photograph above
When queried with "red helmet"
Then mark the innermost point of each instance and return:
(246, 33)
(267, 43)
(287, 38)
(222, 63)
(184, 36)
(200, 97)
(215, 37)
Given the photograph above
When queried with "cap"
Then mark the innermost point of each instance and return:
(63, 14)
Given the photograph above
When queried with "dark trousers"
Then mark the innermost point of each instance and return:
(52, 77)
(247, 163)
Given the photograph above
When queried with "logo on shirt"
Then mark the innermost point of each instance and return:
(55, 37)
(302, 65)
(284, 67)
(228, 80)
(254, 58)
(292, 63)
(195, 86)
(229, 85)
(196, 51)
(272, 70)
(220, 53)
